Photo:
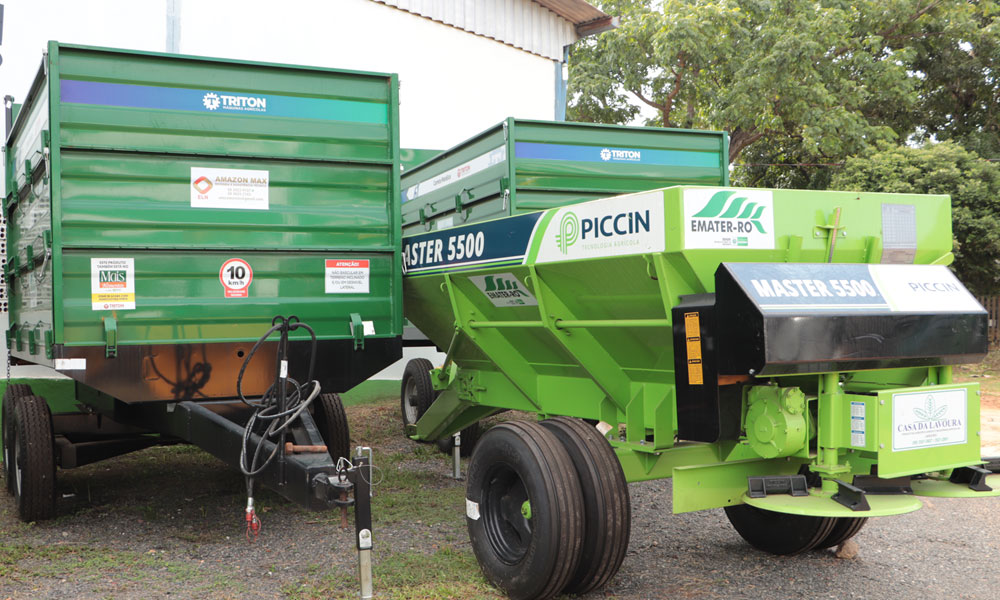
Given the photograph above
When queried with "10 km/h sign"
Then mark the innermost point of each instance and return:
(236, 276)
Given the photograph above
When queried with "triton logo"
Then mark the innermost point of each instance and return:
(569, 231)
(202, 185)
(211, 101)
(726, 212)
(619, 154)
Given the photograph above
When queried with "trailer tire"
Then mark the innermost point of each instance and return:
(416, 393)
(34, 460)
(331, 420)
(606, 505)
(844, 528)
(470, 436)
(778, 533)
(530, 551)
(10, 395)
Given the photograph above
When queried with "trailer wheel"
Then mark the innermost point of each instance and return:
(606, 505)
(34, 460)
(331, 420)
(843, 529)
(10, 395)
(416, 392)
(778, 533)
(524, 510)
(470, 436)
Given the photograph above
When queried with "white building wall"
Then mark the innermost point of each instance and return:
(453, 84)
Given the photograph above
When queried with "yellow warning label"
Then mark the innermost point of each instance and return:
(692, 326)
(692, 331)
(694, 372)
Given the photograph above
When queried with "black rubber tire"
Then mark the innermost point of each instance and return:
(992, 464)
(778, 533)
(34, 460)
(843, 529)
(607, 508)
(529, 558)
(470, 437)
(416, 391)
(331, 420)
(10, 395)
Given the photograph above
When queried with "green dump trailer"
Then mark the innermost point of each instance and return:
(785, 355)
(522, 166)
(166, 212)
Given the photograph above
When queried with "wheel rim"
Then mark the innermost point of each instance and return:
(409, 400)
(507, 529)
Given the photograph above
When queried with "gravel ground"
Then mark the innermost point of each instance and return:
(167, 523)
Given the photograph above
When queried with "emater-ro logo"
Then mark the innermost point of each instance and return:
(727, 212)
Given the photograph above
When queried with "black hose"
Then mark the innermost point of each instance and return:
(269, 411)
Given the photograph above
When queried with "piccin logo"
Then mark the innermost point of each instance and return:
(569, 231)
(727, 212)
(211, 101)
(605, 154)
(202, 185)
(930, 412)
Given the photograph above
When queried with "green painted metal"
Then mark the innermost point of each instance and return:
(942, 488)
(521, 165)
(822, 506)
(413, 157)
(587, 333)
(102, 163)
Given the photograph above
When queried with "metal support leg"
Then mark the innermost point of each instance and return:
(362, 478)
(456, 453)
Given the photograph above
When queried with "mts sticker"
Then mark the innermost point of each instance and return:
(112, 283)
(236, 276)
(347, 276)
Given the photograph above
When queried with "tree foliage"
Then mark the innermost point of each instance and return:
(813, 79)
(942, 168)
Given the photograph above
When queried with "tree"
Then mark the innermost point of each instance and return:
(942, 168)
(826, 78)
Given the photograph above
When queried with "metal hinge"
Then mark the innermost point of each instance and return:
(110, 337)
(358, 331)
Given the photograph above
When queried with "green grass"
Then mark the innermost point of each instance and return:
(372, 392)
(442, 573)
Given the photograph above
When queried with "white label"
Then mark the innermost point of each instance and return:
(618, 226)
(112, 283)
(923, 288)
(347, 276)
(929, 419)
(858, 424)
(229, 188)
(367, 326)
(236, 276)
(71, 364)
(445, 222)
(477, 164)
(728, 218)
(283, 371)
(503, 289)
(472, 509)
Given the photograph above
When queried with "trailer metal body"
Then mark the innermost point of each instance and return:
(786, 350)
(522, 166)
(162, 210)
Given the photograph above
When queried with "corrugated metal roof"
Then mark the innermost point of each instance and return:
(541, 27)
